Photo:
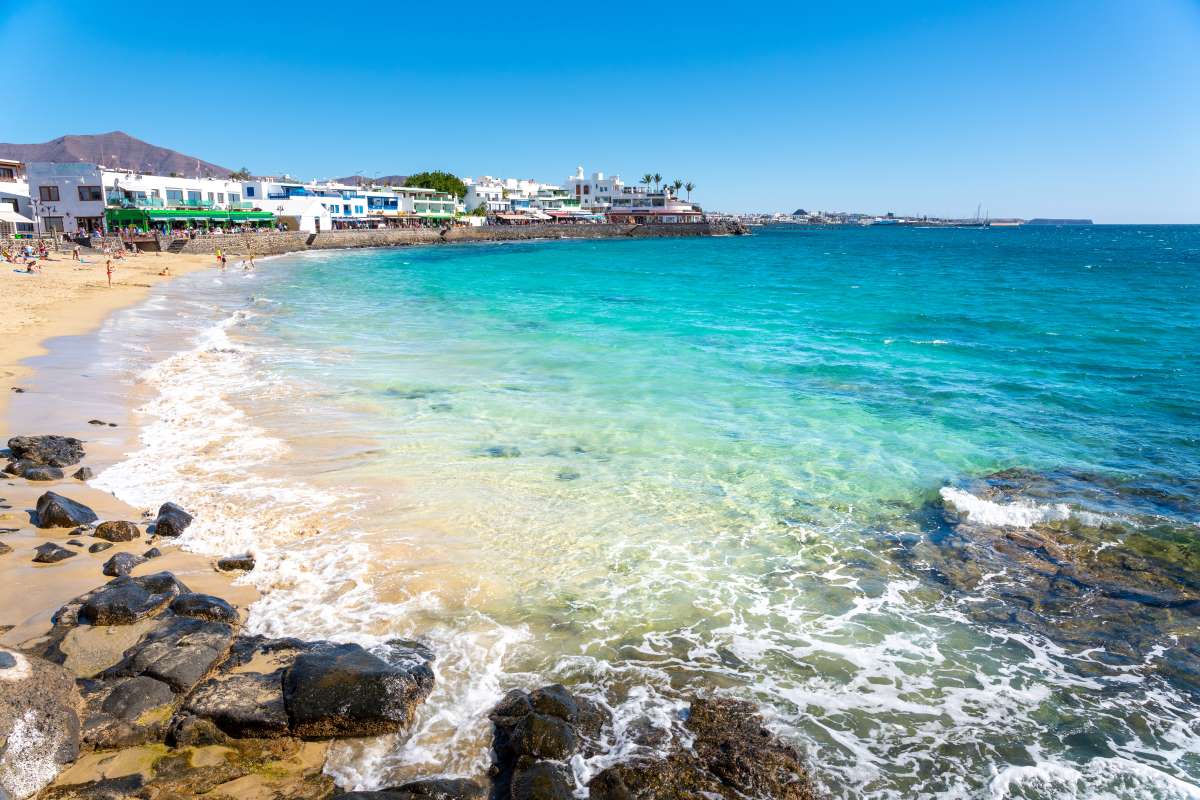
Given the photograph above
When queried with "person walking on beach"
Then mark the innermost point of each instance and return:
(109, 268)
(75, 253)
(220, 258)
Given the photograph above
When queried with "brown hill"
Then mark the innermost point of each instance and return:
(382, 180)
(118, 150)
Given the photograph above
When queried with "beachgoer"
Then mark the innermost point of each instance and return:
(219, 259)
(165, 270)
(75, 253)
(108, 266)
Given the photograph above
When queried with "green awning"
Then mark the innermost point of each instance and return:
(140, 215)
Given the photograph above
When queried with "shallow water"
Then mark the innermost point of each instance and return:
(650, 468)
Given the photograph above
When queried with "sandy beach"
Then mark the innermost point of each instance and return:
(70, 298)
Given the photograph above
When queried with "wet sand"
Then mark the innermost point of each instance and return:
(71, 299)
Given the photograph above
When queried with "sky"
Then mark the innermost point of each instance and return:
(1048, 108)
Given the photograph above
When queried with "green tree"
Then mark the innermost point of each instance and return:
(647, 179)
(438, 181)
(687, 187)
(242, 174)
(480, 210)
(676, 185)
(657, 181)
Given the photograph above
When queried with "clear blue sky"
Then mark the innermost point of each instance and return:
(1030, 108)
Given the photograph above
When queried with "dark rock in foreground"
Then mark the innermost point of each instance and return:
(56, 511)
(50, 553)
(343, 690)
(733, 757)
(40, 698)
(536, 728)
(117, 531)
(54, 451)
(171, 521)
(428, 789)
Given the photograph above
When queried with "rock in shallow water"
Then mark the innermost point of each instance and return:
(54, 451)
(99, 547)
(83, 474)
(244, 561)
(1087, 562)
(56, 511)
(171, 521)
(343, 690)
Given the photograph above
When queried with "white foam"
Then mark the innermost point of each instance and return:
(1014, 515)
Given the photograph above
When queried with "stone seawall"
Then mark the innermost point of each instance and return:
(277, 243)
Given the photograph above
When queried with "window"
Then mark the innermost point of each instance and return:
(220, 197)
(249, 191)
(193, 198)
(53, 223)
(235, 198)
(210, 197)
(175, 196)
(88, 193)
(7, 174)
(358, 209)
(49, 194)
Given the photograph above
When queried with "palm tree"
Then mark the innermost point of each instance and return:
(688, 188)
(647, 179)
(676, 185)
(657, 181)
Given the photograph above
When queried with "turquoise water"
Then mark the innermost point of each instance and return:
(649, 468)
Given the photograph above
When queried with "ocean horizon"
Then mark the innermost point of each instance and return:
(774, 467)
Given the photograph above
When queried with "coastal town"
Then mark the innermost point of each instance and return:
(77, 200)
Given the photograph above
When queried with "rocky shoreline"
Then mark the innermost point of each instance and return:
(143, 688)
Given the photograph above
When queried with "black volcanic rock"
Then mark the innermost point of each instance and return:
(204, 606)
(56, 511)
(117, 531)
(121, 564)
(171, 521)
(51, 450)
(50, 553)
(244, 561)
(343, 690)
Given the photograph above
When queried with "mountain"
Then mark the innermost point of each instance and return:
(382, 180)
(116, 149)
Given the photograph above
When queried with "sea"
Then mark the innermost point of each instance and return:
(651, 469)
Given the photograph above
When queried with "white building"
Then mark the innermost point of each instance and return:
(630, 204)
(73, 197)
(306, 214)
(350, 206)
(16, 212)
